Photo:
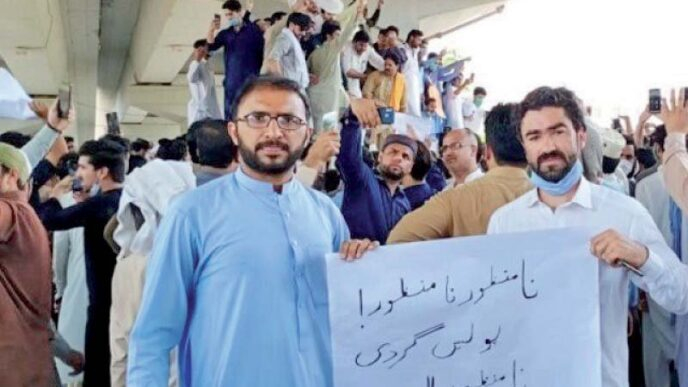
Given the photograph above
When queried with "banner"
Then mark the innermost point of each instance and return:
(509, 310)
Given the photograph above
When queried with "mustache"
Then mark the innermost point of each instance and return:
(279, 144)
(550, 155)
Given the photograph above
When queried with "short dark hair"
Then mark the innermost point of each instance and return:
(645, 157)
(123, 142)
(361, 36)
(330, 27)
(16, 139)
(232, 5)
(501, 135)
(392, 29)
(171, 149)
(658, 136)
(272, 83)
(200, 43)
(140, 144)
(479, 91)
(214, 146)
(560, 97)
(69, 138)
(105, 153)
(422, 162)
(277, 16)
(394, 57)
(68, 164)
(414, 34)
(300, 19)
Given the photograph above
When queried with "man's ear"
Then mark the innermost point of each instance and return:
(233, 132)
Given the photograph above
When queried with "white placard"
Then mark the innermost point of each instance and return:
(509, 310)
(14, 102)
(422, 126)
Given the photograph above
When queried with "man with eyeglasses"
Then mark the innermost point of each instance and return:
(466, 210)
(237, 275)
(459, 153)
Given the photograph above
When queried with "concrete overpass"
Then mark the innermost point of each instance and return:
(131, 56)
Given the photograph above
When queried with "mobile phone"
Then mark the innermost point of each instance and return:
(64, 101)
(616, 124)
(655, 101)
(77, 186)
(386, 115)
(112, 123)
(218, 17)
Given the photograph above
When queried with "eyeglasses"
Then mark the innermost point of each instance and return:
(453, 146)
(261, 120)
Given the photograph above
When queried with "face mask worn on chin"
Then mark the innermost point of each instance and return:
(561, 187)
(626, 166)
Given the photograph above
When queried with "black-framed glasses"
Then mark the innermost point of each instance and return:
(453, 146)
(261, 120)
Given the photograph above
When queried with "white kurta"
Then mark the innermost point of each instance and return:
(69, 275)
(414, 88)
(203, 103)
(352, 61)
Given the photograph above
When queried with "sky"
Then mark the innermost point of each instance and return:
(610, 52)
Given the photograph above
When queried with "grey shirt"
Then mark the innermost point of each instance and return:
(287, 51)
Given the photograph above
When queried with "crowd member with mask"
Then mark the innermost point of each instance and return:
(243, 46)
(245, 301)
(355, 60)
(473, 113)
(146, 196)
(328, 95)
(659, 327)
(612, 145)
(201, 78)
(373, 202)
(459, 151)
(553, 133)
(25, 278)
(286, 58)
(101, 162)
(466, 210)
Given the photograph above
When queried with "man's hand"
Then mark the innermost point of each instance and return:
(323, 149)
(249, 5)
(215, 24)
(62, 188)
(613, 248)
(56, 152)
(356, 248)
(40, 109)
(76, 361)
(366, 112)
(674, 114)
(57, 123)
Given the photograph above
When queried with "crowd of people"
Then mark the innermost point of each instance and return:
(199, 260)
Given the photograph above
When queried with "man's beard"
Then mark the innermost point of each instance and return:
(254, 162)
(550, 174)
(389, 174)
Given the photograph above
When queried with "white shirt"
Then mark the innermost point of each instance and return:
(203, 103)
(352, 61)
(475, 175)
(599, 208)
(452, 108)
(473, 117)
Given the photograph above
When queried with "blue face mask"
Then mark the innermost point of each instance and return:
(233, 22)
(561, 187)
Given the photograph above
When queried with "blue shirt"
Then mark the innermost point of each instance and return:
(237, 280)
(243, 57)
(370, 209)
(434, 182)
(438, 123)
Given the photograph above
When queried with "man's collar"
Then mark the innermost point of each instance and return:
(261, 187)
(14, 196)
(583, 196)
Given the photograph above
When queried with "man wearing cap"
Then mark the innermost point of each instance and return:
(613, 144)
(287, 58)
(373, 201)
(25, 280)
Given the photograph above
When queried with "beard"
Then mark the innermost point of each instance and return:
(254, 162)
(551, 173)
(388, 174)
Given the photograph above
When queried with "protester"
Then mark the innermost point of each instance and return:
(286, 58)
(473, 113)
(25, 352)
(328, 95)
(138, 154)
(217, 154)
(101, 162)
(438, 122)
(138, 216)
(387, 87)
(614, 177)
(460, 155)
(176, 150)
(553, 133)
(452, 102)
(201, 78)
(70, 143)
(466, 210)
(412, 74)
(355, 60)
(243, 45)
(262, 335)
(425, 178)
